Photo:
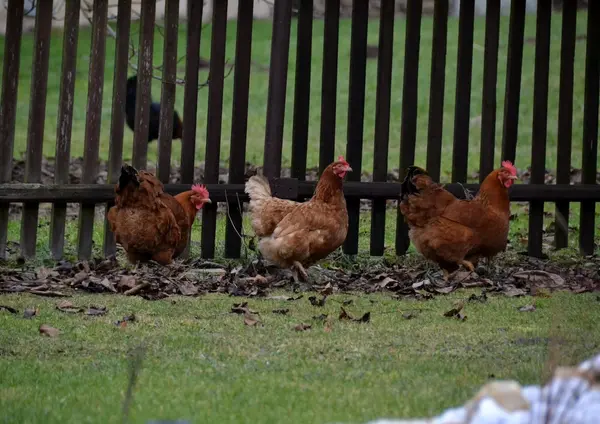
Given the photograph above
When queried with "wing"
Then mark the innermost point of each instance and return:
(311, 231)
(267, 214)
(429, 203)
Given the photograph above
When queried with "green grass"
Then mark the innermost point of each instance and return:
(204, 365)
(259, 83)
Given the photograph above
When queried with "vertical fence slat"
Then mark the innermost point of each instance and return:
(329, 83)
(115, 153)
(490, 79)
(565, 119)
(213, 129)
(37, 115)
(436, 89)
(589, 151)
(8, 105)
(302, 90)
(408, 131)
(513, 80)
(540, 122)
(190, 96)
(382, 121)
(280, 45)
(464, 66)
(239, 124)
(144, 81)
(167, 99)
(65, 120)
(92, 126)
(356, 113)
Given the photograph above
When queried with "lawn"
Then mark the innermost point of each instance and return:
(204, 365)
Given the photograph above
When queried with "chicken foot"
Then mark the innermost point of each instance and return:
(299, 271)
(465, 263)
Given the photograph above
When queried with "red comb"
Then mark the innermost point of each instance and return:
(341, 159)
(200, 189)
(508, 165)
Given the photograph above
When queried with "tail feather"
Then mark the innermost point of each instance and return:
(128, 174)
(408, 187)
(258, 188)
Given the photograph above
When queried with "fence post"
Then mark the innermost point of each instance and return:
(589, 150)
(302, 90)
(356, 114)
(436, 89)
(514, 66)
(464, 66)
(92, 128)
(167, 98)
(382, 121)
(239, 126)
(8, 104)
(408, 131)
(329, 83)
(540, 123)
(490, 80)
(37, 115)
(565, 119)
(117, 123)
(144, 85)
(64, 126)
(213, 130)
(280, 45)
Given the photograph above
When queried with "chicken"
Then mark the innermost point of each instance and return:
(149, 223)
(296, 235)
(154, 113)
(453, 232)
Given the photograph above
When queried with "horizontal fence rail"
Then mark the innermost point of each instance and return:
(150, 50)
(290, 188)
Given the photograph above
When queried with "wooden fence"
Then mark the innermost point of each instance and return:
(31, 193)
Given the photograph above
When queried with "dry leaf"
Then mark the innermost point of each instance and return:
(281, 311)
(9, 309)
(242, 308)
(123, 322)
(540, 276)
(346, 316)
(97, 310)
(302, 327)
(527, 308)
(46, 330)
(126, 282)
(454, 311)
(108, 285)
(66, 306)
(408, 315)
(321, 302)
(251, 320)
(30, 312)
(327, 290)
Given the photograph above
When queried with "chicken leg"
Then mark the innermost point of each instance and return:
(299, 271)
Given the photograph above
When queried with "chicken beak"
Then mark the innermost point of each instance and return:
(207, 200)
(513, 177)
(348, 169)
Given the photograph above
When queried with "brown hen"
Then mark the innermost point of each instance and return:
(149, 223)
(453, 232)
(296, 235)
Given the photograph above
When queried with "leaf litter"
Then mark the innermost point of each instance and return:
(197, 277)
(48, 331)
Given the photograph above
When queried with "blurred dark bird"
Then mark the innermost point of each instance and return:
(154, 113)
